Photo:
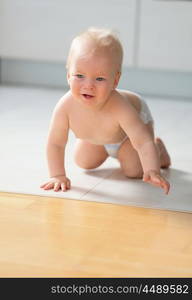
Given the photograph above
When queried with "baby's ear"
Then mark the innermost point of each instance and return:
(68, 77)
(117, 77)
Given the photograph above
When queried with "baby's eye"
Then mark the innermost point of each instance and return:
(79, 75)
(100, 78)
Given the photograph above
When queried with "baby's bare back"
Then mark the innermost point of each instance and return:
(98, 126)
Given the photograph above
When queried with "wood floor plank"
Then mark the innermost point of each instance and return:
(55, 237)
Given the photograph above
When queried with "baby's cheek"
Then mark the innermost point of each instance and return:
(78, 83)
(75, 84)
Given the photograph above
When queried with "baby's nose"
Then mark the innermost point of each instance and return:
(89, 84)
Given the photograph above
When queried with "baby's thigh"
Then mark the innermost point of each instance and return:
(89, 156)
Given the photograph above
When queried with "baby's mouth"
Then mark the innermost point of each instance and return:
(87, 96)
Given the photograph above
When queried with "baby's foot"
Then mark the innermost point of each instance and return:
(164, 156)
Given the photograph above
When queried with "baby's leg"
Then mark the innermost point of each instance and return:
(129, 158)
(89, 156)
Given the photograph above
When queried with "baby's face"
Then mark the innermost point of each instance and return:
(92, 78)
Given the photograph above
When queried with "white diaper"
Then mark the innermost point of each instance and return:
(145, 113)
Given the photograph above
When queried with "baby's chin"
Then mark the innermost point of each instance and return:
(89, 100)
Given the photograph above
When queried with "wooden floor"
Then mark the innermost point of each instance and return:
(54, 237)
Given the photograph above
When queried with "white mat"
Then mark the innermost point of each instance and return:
(24, 119)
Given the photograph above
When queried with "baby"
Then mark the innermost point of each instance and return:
(106, 121)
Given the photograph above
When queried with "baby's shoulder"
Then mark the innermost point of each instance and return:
(129, 95)
(65, 102)
(129, 98)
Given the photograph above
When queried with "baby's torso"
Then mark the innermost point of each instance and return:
(96, 129)
(100, 127)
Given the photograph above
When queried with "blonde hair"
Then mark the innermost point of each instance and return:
(98, 38)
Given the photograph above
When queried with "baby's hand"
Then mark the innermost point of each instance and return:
(156, 179)
(57, 183)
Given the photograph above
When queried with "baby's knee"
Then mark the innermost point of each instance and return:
(83, 164)
(133, 173)
(86, 165)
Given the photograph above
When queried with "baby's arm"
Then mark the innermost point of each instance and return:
(56, 142)
(142, 140)
(150, 161)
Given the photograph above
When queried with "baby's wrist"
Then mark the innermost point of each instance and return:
(58, 175)
(152, 171)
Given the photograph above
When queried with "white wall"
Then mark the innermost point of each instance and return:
(35, 36)
(1, 25)
(165, 35)
(155, 34)
(43, 29)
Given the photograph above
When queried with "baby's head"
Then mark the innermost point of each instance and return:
(94, 66)
(97, 42)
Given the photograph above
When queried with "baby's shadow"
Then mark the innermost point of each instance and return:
(118, 188)
(180, 180)
(102, 172)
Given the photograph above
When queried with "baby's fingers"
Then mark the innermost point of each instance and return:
(57, 186)
(48, 186)
(166, 186)
(162, 183)
(43, 185)
(65, 186)
(156, 179)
